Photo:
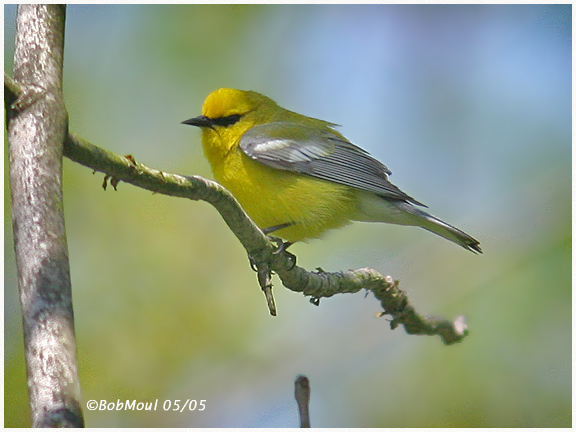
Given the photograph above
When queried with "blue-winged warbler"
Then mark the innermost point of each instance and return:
(297, 175)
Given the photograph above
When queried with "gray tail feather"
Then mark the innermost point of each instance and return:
(449, 232)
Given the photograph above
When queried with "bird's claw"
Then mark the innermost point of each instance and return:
(282, 248)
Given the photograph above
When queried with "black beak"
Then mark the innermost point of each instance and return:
(200, 121)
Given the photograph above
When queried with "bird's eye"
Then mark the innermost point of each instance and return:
(226, 121)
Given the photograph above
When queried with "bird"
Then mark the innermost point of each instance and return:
(297, 176)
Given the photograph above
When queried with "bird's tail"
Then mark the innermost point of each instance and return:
(374, 208)
(443, 229)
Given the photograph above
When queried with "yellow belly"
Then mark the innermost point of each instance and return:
(273, 197)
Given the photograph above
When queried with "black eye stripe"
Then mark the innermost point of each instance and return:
(226, 121)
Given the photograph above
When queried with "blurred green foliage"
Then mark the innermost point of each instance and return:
(468, 105)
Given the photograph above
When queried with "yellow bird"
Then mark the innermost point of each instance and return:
(297, 176)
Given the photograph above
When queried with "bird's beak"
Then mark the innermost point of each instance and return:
(200, 121)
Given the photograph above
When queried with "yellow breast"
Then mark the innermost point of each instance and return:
(273, 197)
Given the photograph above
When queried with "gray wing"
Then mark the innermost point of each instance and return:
(319, 153)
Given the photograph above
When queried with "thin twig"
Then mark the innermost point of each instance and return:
(302, 395)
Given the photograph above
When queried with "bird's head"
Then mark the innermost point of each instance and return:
(229, 107)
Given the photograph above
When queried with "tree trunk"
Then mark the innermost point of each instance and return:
(37, 127)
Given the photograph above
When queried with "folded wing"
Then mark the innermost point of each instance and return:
(320, 153)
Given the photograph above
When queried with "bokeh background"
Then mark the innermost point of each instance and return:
(469, 106)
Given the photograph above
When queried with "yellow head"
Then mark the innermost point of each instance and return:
(227, 114)
(225, 102)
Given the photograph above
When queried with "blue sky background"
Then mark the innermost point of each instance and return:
(468, 105)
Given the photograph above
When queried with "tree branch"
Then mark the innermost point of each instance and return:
(261, 249)
(37, 127)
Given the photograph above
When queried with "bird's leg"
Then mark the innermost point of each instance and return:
(282, 245)
(273, 228)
